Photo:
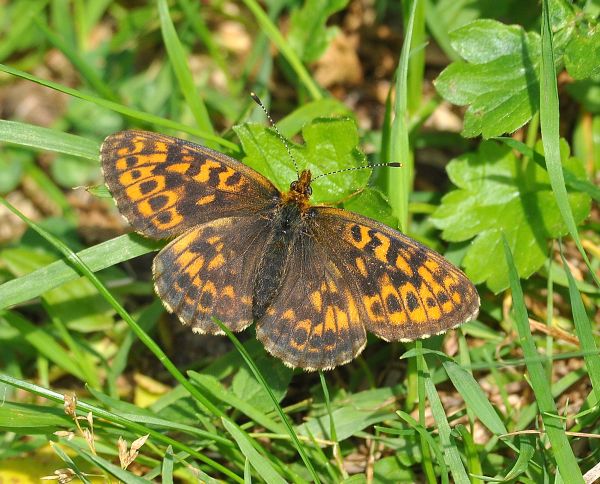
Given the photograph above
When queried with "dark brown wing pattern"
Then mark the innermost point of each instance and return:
(350, 274)
(209, 272)
(165, 186)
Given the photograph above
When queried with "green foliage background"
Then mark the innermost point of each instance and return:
(518, 211)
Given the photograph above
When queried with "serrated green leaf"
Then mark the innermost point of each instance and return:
(309, 36)
(496, 194)
(499, 81)
(330, 145)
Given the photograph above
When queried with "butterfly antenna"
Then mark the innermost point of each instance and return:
(257, 100)
(394, 164)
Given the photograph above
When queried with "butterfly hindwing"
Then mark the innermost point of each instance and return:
(165, 185)
(314, 321)
(210, 272)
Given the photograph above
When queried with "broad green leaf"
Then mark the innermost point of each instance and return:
(498, 81)
(370, 202)
(309, 36)
(497, 193)
(330, 145)
(586, 92)
(582, 54)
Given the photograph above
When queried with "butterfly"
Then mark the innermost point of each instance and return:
(314, 278)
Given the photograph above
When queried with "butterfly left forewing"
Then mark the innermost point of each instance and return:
(165, 185)
(404, 290)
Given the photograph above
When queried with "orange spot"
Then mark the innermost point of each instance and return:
(194, 268)
(223, 177)
(360, 265)
(352, 310)
(228, 291)
(315, 299)
(206, 200)
(127, 178)
(381, 250)
(216, 262)
(174, 220)
(160, 146)
(403, 265)
(332, 286)
(204, 173)
(289, 314)
(342, 319)
(365, 238)
(145, 206)
(134, 192)
(178, 168)
(432, 265)
(374, 301)
(185, 258)
(433, 312)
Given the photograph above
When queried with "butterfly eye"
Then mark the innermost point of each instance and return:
(309, 191)
(293, 185)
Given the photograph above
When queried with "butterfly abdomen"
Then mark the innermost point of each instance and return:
(285, 227)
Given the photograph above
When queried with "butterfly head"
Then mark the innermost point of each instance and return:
(300, 190)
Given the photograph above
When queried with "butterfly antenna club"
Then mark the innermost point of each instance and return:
(257, 100)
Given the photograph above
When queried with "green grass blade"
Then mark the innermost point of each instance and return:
(182, 71)
(474, 397)
(431, 442)
(23, 19)
(44, 343)
(570, 179)
(262, 465)
(99, 257)
(83, 408)
(565, 459)
(167, 467)
(451, 452)
(584, 327)
(85, 70)
(32, 136)
(400, 180)
(257, 374)
(549, 122)
(119, 108)
(273, 33)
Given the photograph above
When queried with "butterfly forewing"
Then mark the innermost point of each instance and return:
(165, 186)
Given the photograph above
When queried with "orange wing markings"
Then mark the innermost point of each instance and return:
(406, 291)
(164, 186)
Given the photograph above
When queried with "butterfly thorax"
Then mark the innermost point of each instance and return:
(300, 191)
(287, 222)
